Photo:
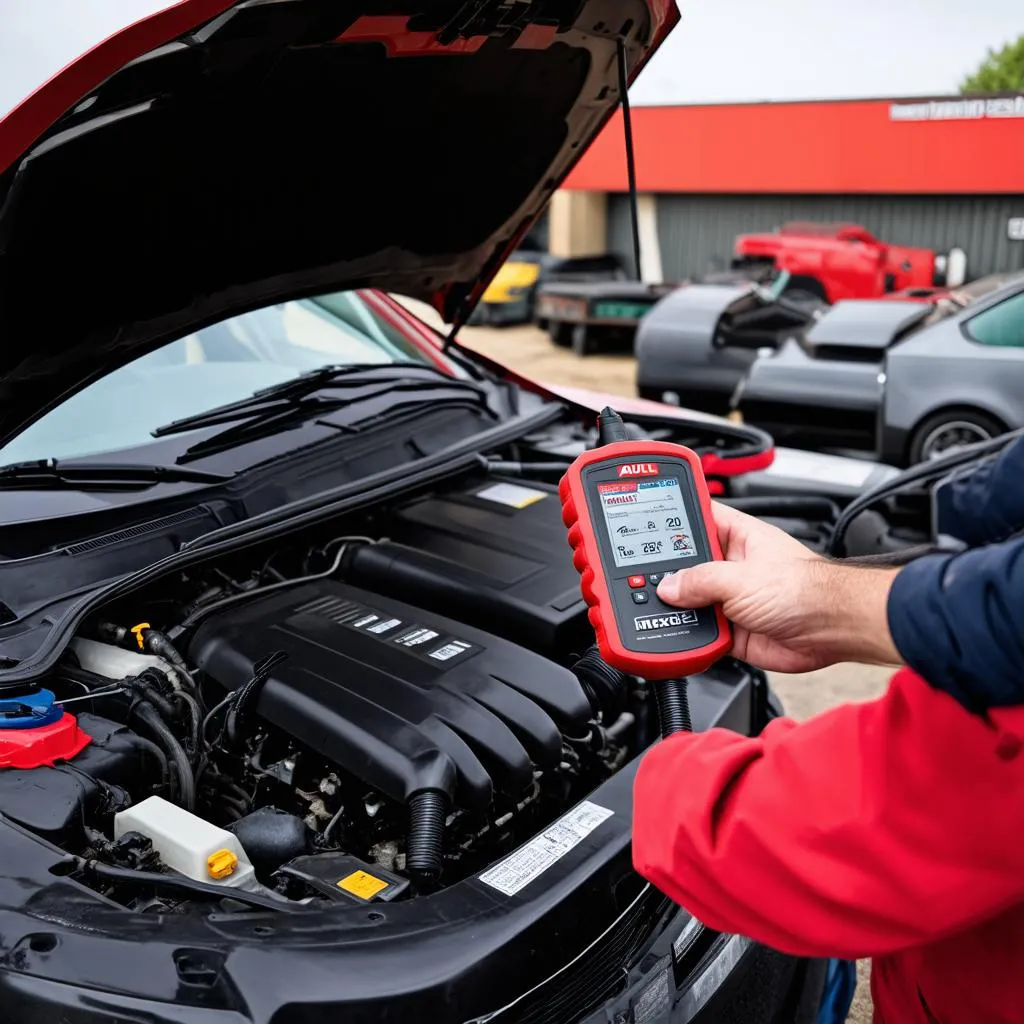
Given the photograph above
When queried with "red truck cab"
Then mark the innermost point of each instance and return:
(845, 261)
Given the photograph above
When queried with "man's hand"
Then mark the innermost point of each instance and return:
(792, 611)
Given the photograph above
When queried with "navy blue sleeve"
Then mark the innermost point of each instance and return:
(958, 621)
(986, 504)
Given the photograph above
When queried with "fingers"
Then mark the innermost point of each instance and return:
(710, 583)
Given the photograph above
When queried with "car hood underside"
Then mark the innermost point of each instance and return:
(287, 148)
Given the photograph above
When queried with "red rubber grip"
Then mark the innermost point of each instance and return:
(586, 554)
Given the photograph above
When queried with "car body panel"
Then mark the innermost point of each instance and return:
(846, 260)
(675, 347)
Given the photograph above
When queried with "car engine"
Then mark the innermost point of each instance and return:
(373, 714)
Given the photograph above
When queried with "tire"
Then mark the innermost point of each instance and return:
(582, 344)
(801, 284)
(559, 333)
(949, 429)
(543, 324)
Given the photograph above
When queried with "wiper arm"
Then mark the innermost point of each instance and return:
(50, 474)
(287, 396)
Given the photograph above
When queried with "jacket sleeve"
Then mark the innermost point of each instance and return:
(958, 620)
(986, 503)
(869, 829)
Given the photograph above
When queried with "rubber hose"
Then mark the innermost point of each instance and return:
(606, 688)
(673, 706)
(425, 853)
(149, 747)
(175, 753)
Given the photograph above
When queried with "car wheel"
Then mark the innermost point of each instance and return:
(946, 431)
(581, 342)
(559, 333)
(543, 324)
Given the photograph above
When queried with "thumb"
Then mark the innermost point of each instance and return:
(709, 583)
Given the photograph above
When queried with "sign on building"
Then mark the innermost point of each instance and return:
(1015, 229)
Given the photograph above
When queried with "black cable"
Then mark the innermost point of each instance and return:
(606, 688)
(181, 883)
(627, 123)
(154, 751)
(673, 706)
(175, 753)
(925, 472)
(610, 427)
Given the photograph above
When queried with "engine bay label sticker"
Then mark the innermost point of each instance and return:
(385, 626)
(449, 651)
(532, 859)
(511, 495)
(362, 884)
(415, 637)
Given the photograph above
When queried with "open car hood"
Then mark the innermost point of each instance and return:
(218, 156)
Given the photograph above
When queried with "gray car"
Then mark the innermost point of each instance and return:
(959, 381)
(696, 345)
(905, 379)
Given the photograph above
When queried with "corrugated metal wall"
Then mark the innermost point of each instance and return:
(697, 231)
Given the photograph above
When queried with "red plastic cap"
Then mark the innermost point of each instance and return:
(44, 746)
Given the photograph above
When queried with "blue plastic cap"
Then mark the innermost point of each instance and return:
(29, 710)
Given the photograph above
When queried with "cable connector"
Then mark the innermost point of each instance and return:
(610, 427)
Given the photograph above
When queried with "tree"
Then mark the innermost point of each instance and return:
(1000, 71)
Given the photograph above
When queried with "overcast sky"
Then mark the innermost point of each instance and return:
(723, 50)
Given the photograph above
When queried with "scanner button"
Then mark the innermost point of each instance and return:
(640, 597)
(637, 581)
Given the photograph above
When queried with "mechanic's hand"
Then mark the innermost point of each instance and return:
(792, 611)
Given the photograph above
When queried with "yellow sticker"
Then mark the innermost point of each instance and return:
(363, 885)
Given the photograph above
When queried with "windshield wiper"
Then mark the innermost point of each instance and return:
(298, 394)
(50, 474)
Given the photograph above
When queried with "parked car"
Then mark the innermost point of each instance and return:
(511, 298)
(845, 261)
(908, 380)
(586, 316)
(695, 346)
(300, 713)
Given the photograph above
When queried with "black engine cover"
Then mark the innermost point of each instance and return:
(404, 699)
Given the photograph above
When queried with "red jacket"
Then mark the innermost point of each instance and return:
(892, 829)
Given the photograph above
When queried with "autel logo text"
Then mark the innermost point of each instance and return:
(639, 469)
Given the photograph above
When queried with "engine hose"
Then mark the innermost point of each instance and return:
(425, 852)
(606, 688)
(175, 753)
(673, 706)
(149, 747)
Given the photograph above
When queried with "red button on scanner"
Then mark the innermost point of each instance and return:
(637, 581)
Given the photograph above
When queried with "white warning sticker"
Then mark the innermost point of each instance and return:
(511, 494)
(532, 859)
(450, 650)
(417, 637)
(383, 627)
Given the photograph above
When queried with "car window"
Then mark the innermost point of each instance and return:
(1001, 325)
(221, 363)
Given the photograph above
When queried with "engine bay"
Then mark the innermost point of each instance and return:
(371, 714)
(373, 710)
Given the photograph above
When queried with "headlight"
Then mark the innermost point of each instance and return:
(881, 377)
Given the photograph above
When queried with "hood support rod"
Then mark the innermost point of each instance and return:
(627, 122)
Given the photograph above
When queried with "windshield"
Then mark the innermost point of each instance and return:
(222, 363)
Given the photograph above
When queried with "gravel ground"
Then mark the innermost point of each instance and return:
(530, 352)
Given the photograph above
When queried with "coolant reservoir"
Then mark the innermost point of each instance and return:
(188, 844)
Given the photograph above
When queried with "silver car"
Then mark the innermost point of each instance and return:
(957, 381)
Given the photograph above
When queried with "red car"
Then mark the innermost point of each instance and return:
(845, 261)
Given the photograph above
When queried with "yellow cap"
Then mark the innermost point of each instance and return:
(221, 864)
(137, 630)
